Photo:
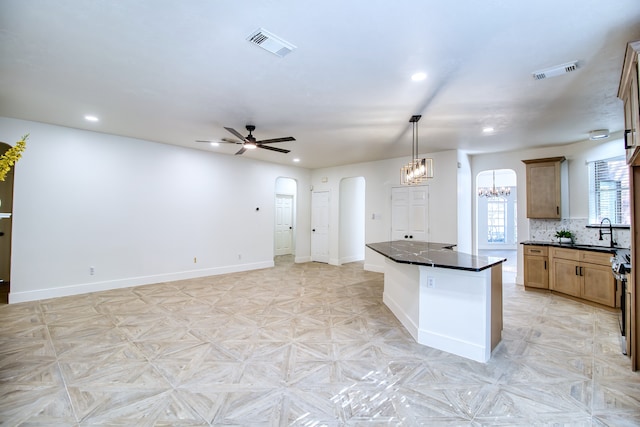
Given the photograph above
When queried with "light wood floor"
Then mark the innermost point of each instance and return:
(304, 345)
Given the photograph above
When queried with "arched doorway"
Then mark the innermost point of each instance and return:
(6, 210)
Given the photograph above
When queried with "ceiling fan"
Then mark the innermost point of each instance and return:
(249, 142)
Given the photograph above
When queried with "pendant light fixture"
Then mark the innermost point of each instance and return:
(418, 169)
(493, 191)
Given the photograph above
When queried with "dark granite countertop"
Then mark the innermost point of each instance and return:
(433, 254)
(593, 248)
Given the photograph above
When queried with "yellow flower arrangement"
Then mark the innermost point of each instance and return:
(11, 156)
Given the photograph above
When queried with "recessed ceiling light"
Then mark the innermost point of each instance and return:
(296, 160)
(90, 118)
(214, 144)
(487, 129)
(418, 77)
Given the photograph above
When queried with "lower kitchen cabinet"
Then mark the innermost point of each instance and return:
(536, 267)
(598, 284)
(566, 277)
(583, 274)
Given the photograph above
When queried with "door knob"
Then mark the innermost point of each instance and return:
(314, 230)
(290, 228)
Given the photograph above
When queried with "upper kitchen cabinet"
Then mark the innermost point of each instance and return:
(547, 188)
(628, 93)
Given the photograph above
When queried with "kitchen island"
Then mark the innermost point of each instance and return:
(445, 299)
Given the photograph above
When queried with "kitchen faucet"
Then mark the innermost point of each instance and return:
(610, 232)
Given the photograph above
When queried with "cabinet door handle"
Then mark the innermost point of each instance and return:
(558, 210)
(535, 251)
(626, 144)
(545, 265)
(577, 274)
(581, 273)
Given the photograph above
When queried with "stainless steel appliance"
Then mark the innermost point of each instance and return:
(621, 267)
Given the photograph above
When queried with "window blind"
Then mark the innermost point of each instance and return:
(609, 191)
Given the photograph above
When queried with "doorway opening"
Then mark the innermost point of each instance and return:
(285, 208)
(6, 209)
(352, 219)
(496, 215)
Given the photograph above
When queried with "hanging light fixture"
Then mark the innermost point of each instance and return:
(493, 191)
(417, 170)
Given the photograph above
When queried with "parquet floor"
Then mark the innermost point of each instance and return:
(305, 345)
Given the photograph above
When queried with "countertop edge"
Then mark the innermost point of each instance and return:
(447, 266)
(604, 249)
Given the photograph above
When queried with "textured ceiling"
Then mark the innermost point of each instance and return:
(177, 71)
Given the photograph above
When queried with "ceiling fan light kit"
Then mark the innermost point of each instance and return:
(249, 142)
(417, 170)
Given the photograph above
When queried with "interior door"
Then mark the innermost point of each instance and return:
(418, 212)
(320, 226)
(399, 213)
(284, 224)
(410, 213)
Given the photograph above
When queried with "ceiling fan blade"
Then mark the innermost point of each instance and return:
(270, 141)
(242, 150)
(267, 147)
(236, 133)
(217, 141)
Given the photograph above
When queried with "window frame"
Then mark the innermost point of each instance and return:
(600, 172)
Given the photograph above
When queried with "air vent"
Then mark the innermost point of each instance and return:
(268, 41)
(555, 71)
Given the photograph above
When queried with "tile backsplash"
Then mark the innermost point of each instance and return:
(545, 230)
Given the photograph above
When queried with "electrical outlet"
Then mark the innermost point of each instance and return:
(92, 271)
(431, 282)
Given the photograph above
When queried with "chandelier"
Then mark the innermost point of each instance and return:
(493, 191)
(417, 170)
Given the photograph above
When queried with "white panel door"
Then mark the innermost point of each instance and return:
(410, 213)
(399, 213)
(284, 224)
(418, 213)
(320, 226)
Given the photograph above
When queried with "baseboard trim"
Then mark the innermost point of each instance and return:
(349, 259)
(453, 345)
(83, 288)
(397, 311)
(375, 268)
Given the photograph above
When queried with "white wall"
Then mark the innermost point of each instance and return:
(577, 155)
(380, 176)
(137, 211)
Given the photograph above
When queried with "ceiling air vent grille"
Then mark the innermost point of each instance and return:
(270, 42)
(555, 71)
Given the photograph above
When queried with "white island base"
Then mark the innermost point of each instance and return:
(457, 311)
